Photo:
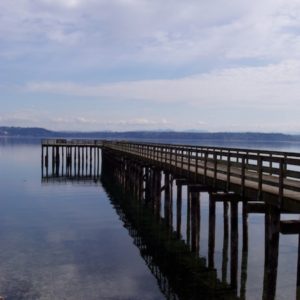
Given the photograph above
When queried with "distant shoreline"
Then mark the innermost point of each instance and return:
(40, 133)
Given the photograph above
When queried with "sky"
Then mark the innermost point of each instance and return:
(91, 65)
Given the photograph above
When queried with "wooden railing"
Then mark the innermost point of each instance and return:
(270, 171)
(73, 142)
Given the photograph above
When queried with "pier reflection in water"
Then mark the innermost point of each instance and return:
(166, 216)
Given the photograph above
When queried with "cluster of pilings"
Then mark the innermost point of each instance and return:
(176, 266)
(155, 187)
(143, 181)
(71, 160)
(148, 183)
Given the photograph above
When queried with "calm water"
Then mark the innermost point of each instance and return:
(71, 240)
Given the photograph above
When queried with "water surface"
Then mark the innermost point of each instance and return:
(70, 239)
(63, 241)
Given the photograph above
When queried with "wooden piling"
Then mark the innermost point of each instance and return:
(272, 226)
(179, 209)
(234, 244)
(225, 241)
(195, 222)
(211, 233)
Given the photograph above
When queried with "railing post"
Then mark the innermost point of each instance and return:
(176, 159)
(243, 176)
(282, 166)
(205, 166)
(196, 165)
(159, 153)
(153, 153)
(165, 155)
(170, 158)
(182, 153)
(189, 161)
(260, 176)
(285, 164)
(228, 170)
(215, 168)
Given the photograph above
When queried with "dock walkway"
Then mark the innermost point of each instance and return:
(247, 172)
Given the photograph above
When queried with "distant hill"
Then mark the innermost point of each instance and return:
(36, 132)
(24, 132)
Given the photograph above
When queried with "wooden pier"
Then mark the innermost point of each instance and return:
(153, 187)
(254, 174)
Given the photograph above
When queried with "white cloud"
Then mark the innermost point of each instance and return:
(169, 32)
(275, 84)
(85, 121)
(71, 122)
(140, 122)
(109, 120)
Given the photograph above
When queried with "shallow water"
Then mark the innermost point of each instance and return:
(68, 239)
(63, 241)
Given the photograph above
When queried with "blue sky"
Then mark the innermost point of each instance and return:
(211, 65)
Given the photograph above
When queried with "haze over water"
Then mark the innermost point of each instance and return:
(65, 240)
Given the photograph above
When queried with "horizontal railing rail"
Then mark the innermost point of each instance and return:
(72, 142)
(271, 171)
